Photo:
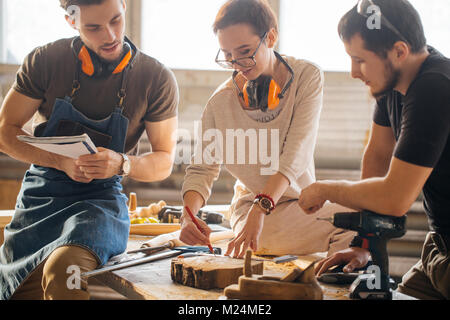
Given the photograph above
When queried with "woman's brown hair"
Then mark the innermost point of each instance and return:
(256, 13)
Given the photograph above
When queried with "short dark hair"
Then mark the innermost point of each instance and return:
(67, 3)
(256, 13)
(400, 13)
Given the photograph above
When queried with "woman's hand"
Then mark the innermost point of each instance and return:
(249, 236)
(191, 235)
(102, 165)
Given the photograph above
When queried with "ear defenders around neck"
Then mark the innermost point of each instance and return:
(92, 66)
(264, 93)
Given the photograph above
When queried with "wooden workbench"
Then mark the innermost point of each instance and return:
(5, 218)
(152, 281)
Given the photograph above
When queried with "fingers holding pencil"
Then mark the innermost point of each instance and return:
(194, 231)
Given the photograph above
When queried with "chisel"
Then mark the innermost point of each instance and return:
(136, 261)
(159, 256)
(148, 250)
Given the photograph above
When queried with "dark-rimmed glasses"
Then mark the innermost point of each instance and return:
(362, 7)
(245, 62)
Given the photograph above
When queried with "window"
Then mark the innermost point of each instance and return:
(179, 33)
(27, 24)
(308, 29)
(435, 18)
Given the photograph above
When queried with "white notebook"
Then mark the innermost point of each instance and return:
(72, 147)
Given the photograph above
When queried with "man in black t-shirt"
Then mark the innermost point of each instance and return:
(409, 147)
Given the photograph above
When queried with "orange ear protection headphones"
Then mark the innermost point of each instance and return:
(91, 64)
(264, 93)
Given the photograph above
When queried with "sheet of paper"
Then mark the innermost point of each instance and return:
(73, 150)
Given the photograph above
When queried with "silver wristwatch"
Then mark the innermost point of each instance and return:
(126, 165)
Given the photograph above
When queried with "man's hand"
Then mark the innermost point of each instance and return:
(191, 235)
(311, 198)
(102, 165)
(69, 166)
(249, 236)
(353, 257)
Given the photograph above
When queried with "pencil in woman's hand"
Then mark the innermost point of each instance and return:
(198, 226)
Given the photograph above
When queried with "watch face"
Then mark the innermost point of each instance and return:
(126, 167)
(265, 203)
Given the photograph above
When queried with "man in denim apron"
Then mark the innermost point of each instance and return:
(70, 214)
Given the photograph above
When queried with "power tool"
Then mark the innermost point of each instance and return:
(169, 213)
(375, 230)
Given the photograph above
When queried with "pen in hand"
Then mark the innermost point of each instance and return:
(198, 226)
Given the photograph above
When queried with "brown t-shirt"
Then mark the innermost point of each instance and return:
(151, 88)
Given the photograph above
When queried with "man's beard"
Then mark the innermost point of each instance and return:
(392, 77)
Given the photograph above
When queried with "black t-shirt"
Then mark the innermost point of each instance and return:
(421, 124)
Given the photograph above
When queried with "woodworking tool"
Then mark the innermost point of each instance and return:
(338, 277)
(150, 250)
(169, 213)
(198, 227)
(276, 260)
(376, 230)
(137, 261)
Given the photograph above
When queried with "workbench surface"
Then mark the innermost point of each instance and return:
(152, 281)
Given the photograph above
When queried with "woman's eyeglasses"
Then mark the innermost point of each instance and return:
(246, 62)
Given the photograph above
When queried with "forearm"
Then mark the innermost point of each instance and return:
(151, 167)
(275, 186)
(373, 166)
(194, 201)
(10, 145)
(375, 194)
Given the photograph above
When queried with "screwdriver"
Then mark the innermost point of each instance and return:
(198, 227)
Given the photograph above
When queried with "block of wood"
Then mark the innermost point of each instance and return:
(208, 272)
(267, 288)
(299, 284)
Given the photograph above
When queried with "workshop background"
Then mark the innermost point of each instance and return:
(179, 34)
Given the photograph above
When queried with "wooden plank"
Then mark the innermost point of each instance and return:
(152, 281)
(154, 229)
(5, 217)
(8, 193)
(1, 236)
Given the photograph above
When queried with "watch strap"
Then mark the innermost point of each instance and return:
(124, 160)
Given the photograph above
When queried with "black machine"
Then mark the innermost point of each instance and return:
(376, 230)
(169, 213)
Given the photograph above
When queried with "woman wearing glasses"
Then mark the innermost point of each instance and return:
(272, 106)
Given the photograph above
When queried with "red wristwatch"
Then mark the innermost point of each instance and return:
(265, 202)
